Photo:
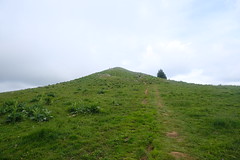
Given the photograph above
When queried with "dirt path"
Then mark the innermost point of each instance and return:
(146, 91)
(159, 101)
(174, 135)
(145, 99)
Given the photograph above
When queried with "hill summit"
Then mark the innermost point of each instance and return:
(120, 114)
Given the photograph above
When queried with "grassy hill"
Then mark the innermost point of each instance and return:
(119, 114)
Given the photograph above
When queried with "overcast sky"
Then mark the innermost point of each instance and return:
(48, 41)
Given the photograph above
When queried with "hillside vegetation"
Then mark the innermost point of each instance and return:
(122, 115)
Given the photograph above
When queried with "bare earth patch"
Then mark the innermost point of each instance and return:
(144, 101)
(150, 148)
(172, 134)
(179, 155)
(146, 92)
(160, 105)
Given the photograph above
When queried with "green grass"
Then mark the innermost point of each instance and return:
(208, 117)
(118, 114)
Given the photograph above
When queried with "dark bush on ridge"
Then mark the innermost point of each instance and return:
(161, 74)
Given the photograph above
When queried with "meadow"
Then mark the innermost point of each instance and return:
(122, 115)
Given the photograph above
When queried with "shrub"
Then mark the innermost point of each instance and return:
(51, 94)
(92, 109)
(84, 109)
(12, 107)
(38, 113)
(16, 112)
(8, 103)
(73, 109)
(40, 98)
(161, 74)
(48, 101)
(7, 107)
(20, 107)
(34, 100)
(14, 117)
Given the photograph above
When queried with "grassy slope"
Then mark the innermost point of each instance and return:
(137, 113)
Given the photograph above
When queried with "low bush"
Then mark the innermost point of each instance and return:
(51, 94)
(84, 109)
(38, 113)
(14, 117)
(8, 103)
(16, 112)
(44, 98)
(6, 107)
(11, 106)
(48, 101)
(34, 100)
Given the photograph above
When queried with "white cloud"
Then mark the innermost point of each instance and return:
(12, 86)
(44, 42)
(195, 76)
(168, 56)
